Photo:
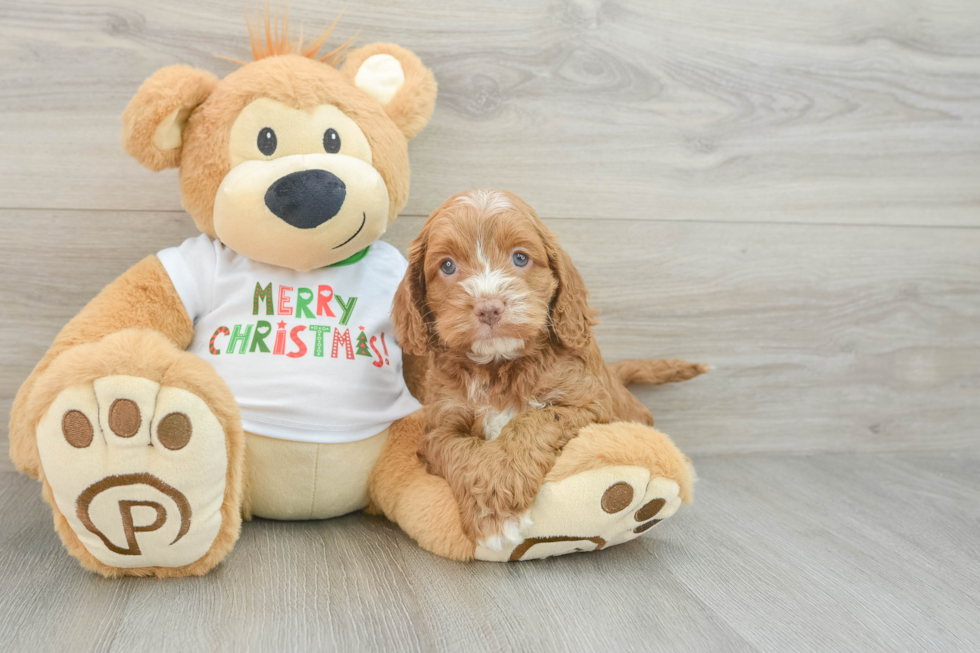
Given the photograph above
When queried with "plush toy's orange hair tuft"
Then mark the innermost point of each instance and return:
(277, 41)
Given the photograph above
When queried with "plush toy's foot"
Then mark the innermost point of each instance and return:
(611, 484)
(588, 502)
(136, 472)
(589, 511)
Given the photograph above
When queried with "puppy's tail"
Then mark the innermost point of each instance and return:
(655, 372)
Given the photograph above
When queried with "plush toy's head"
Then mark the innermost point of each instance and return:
(287, 160)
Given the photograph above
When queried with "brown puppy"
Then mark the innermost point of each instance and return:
(514, 371)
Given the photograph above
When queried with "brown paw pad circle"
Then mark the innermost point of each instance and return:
(650, 509)
(642, 528)
(174, 431)
(77, 429)
(617, 497)
(124, 418)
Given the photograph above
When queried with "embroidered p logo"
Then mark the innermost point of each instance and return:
(140, 483)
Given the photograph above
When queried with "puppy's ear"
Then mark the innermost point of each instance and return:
(409, 309)
(397, 79)
(572, 318)
(154, 120)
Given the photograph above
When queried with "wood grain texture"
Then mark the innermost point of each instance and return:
(822, 338)
(788, 111)
(870, 552)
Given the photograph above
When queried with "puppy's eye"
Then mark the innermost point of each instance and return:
(331, 141)
(520, 259)
(448, 267)
(267, 141)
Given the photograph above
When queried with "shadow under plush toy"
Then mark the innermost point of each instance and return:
(252, 370)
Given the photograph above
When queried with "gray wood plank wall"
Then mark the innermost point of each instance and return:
(788, 191)
(764, 110)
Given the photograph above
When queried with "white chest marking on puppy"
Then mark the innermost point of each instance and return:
(494, 422)
(476, 391)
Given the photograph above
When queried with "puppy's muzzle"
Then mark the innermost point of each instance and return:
(307, 198)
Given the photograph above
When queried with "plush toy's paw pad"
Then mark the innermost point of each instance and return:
(137, 470)
(588, 511)
(660, 502)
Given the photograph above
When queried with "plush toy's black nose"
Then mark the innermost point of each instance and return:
(307, 198)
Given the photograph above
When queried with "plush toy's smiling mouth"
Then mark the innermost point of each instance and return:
(363, 221)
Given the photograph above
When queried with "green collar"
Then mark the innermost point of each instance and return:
(353, 258)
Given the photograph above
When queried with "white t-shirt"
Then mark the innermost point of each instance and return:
(310, 356)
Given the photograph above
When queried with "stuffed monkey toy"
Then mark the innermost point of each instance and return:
(252, 370)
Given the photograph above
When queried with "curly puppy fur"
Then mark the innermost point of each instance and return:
(514, 369)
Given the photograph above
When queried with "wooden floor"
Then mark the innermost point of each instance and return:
(836, 552)
(788, 190)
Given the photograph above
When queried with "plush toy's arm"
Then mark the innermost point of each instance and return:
(142, 298)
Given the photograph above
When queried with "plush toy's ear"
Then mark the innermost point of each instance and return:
(572, 318)
(397, 79)
(409, 308)
(154, 120)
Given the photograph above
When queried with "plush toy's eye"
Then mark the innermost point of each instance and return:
(520, 259)
(267, 141)
(448, 267)
(331, 141)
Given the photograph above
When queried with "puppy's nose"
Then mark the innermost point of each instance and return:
(307, 198)
(489, 311)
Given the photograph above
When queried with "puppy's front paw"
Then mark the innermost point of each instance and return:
(511, 533)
